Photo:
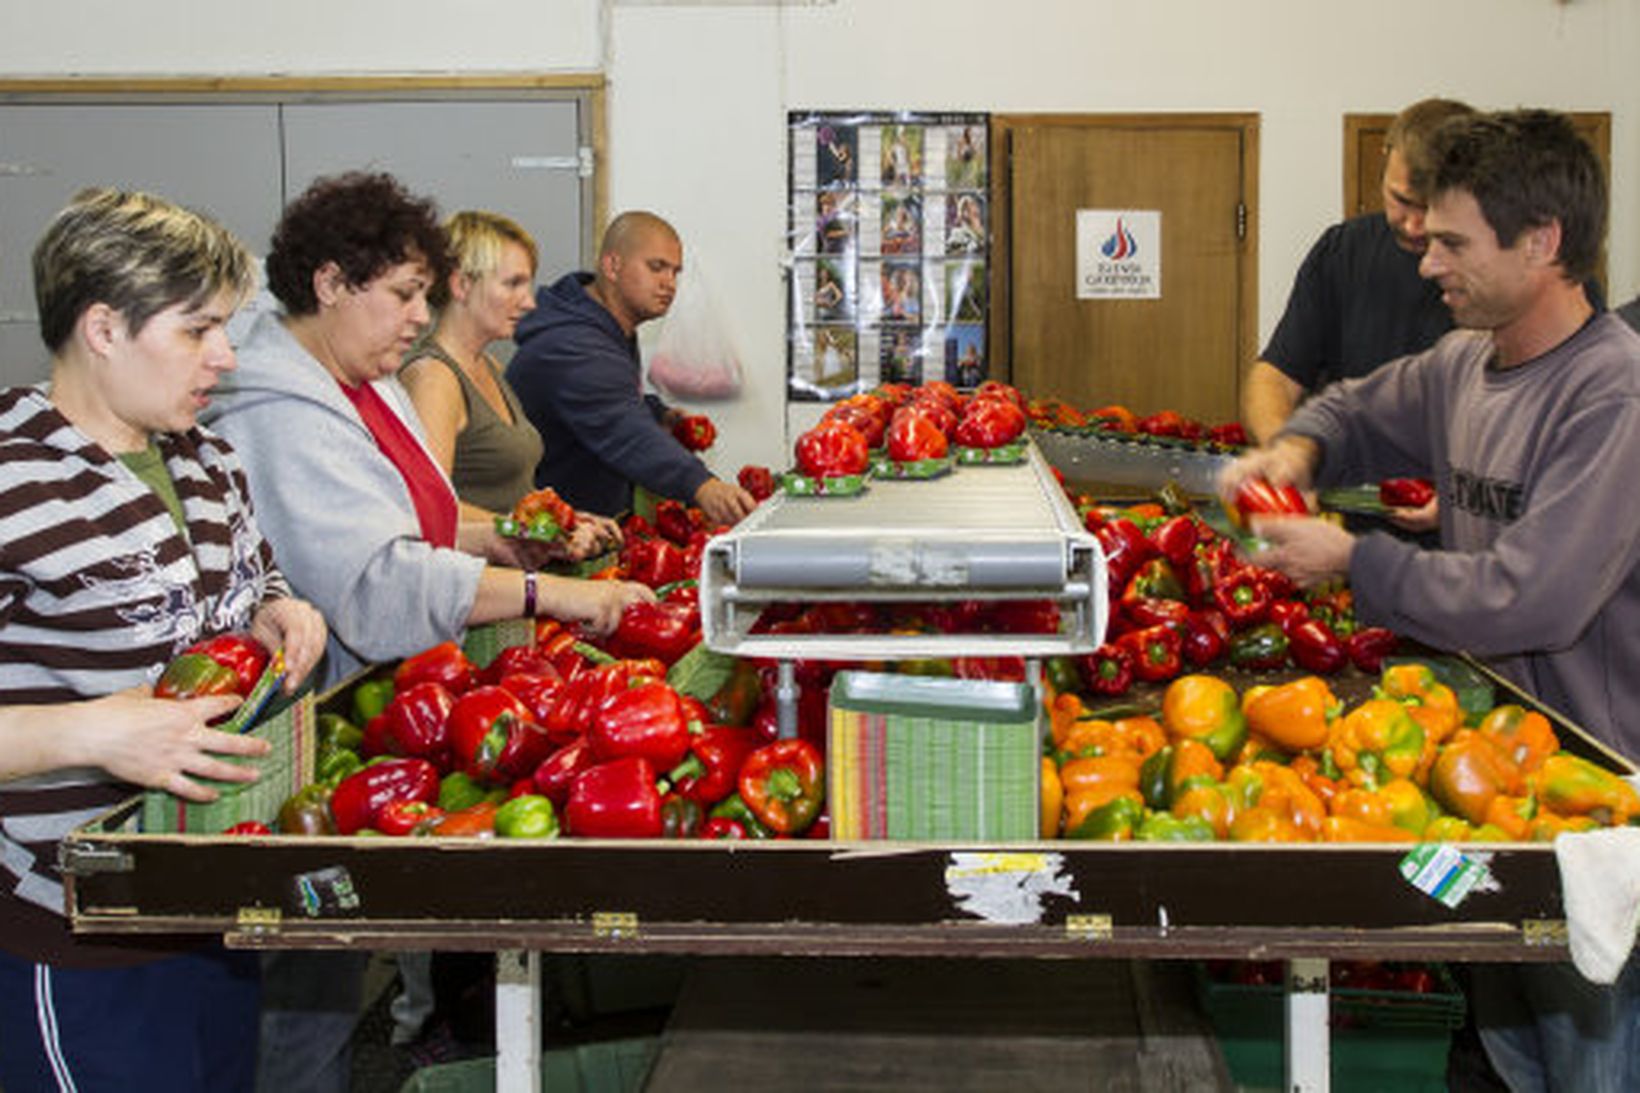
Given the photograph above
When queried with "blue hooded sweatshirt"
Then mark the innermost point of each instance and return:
(578, 376)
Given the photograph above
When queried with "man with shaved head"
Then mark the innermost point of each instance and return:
(578, 375)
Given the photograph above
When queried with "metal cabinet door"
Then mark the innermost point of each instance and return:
(520, 158)
(220, 158)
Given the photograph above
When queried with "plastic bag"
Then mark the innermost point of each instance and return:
(694, 356)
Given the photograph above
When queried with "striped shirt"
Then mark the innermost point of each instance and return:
(98, 590)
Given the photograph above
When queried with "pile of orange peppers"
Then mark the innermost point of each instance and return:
(1289, 763)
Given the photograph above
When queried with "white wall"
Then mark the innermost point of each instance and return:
(699, 93)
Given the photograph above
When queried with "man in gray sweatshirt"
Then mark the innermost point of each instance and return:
(1528, 420)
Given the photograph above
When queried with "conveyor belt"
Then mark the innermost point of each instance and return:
(1114, 461)
(989, 532)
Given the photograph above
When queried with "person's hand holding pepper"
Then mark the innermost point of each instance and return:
(1287, 460)
(296, 627)
(1425, 517)
(724, 502)
(1305, 548)
(598, 604)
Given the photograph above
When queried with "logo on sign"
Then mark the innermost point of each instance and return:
(1120, 244)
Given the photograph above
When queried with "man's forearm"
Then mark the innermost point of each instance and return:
(1268, 400)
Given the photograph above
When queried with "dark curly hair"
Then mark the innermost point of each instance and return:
(1526, 169)
(363, 222)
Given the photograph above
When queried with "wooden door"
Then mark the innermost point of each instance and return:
(1183, 351)
(1364, 160)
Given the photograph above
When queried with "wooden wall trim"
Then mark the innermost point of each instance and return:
(205, 85)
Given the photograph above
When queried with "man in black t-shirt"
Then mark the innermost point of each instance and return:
(1358, 300)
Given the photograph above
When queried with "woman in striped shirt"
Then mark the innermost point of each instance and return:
(126, 535)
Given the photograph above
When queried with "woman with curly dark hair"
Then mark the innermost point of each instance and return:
(365, 521)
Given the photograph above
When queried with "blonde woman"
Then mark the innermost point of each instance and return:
(475, 425)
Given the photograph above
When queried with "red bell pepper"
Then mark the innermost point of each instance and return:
(1232, 434)
(248, 827)
(493, 737)
(1258, 496)
(664, 630)
(1108, 670)
(616, 800)
(1206, 636)
(473, 822)
(645, 720)
(1288, 614)
(1406, 493)
(757, 481)
(1156, 579)
(359, 798)
(715, 756)
(1315, 648)
(1176, 539)
(192, 675)
(1169, 423)
(695, 431)
(1243, 598)
(721, 827)
(244, 654)
(444, 664)
(913, 436)
(871, 421)
(1143, 611)
(999, 390)
(654, 562)
(1024, 616)
(989, 423)
(832, 449)
(1156, 652)
(515, 659)
(676, 521)
(416, 723)
(1125, 548)
(784, 784)
(544, 514)
(1369, 646)
(538, 691)
(401, 818)
(558, 771)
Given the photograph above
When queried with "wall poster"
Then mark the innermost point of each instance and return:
(889, 235)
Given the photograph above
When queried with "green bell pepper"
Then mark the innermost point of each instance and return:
(1167, 828)
(527, 816)
(371, 698)
(1111, 822)
(459, 790)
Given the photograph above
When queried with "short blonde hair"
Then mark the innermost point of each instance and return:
(477, 239)
(135, 252)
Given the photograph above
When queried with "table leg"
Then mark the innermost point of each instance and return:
(518, 1021)
(1309, 1048)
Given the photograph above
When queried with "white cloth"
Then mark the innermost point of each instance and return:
(1600, 879)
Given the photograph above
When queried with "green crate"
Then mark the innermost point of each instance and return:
(1380, 1040)
(609, 1066)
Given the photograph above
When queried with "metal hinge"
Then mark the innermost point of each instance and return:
(1241, 220)
(1088, 927)
(614, 924)
(259, 920)
(82, 861)
(1544, 932)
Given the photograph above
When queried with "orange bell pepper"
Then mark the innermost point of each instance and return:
(1572, 786)
(1052, 800)
(1095, 781)
(1323, 785)
(1546, 826)
(1397, 803)
(1432, 703)
(1271, 787)
(1065, 713)
(1525, 736)
(1512, 815)
(1377, 741)
(1448, 829)
(1294, 716)
(1469, 772)
(1210, 802)
(1266, 825)
(1078, 806)
(1204, 708)
(1350, 829)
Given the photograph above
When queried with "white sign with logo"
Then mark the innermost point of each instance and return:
(1118, 254)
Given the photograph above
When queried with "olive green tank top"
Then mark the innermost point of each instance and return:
(494, 459)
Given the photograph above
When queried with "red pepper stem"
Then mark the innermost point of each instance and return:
(691, 767)
(592, 653)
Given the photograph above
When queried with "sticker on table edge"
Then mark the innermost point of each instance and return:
(843, 485)
(1000, 456)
